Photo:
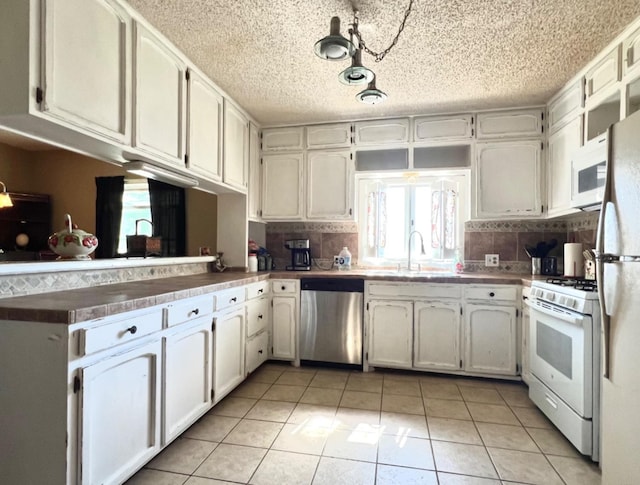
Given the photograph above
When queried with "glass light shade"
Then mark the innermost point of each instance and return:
(371, 95)
(356, 73)
(334, 47)
(5, 199)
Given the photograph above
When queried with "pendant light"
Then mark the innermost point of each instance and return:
(371, 95)
(334, 47)
(356, 73)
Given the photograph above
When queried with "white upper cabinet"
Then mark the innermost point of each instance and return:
(330, 183)
(338, 135)
(382, 132)
(255, 174)
(86, 75)
(566, 105)
(631, 52)
(236, 147)
(159, 98)
(510, 124)
(204, 133)
(282, 185)
(508, 179)
(276, 139)
(437, 128)
(562, 146)
(603, 75)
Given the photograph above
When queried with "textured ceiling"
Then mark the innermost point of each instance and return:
(454, 55)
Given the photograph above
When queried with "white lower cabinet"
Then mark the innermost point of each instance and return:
(187, 374)
(120, 414)
(436, 328)
(490, 335)
(228, 351)
(285, 313)
(390, 333)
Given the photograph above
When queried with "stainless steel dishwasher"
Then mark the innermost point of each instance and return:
(331, 320)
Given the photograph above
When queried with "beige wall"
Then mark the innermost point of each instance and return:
(69, 178)
(202, 210)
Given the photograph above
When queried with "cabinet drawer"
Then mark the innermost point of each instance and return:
(256, 351)
(116, 333)
(284, 286)
(414, 290)
(491, 293)
(225, 299)
(256, 290)
(188, 309)
(257, 315)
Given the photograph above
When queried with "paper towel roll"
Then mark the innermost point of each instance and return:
(573, 260)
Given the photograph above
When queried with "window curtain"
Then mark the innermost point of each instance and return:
(109, 192)
(168, 216)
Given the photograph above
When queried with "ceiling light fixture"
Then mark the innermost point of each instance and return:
(336, 47)
(5, 199)
(371, 95)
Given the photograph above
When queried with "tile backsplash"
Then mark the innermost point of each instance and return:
(506, 238)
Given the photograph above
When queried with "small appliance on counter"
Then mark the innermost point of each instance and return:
(141, 245)
(300, 254)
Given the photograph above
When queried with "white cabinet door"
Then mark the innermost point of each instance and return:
(603, 75)
(330, 182)
(631, 52)
(188, 380)
(338, 135)
(566, 106)
(255, 174)
(510, 124)
(490, 339)
(159, 98)
(236, 147)
(204, 128)
(282, 177)
(436, 334)
(228, 351)
(508, 179)
(284, 321)
(562, 146)
(276, 139)
(382, 132)
(257, 351)
(120, 414)
(87, 65)
(437, 128)
(390, 333)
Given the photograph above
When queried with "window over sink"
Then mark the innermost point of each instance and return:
(392, 206)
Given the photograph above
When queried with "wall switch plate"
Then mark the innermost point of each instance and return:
(492, 260)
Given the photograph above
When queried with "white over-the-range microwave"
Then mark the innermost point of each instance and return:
(589, 172)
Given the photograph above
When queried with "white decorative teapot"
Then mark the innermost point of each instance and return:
(71, 242)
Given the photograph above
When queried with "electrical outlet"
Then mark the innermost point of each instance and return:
(492, 260)
(336, 260)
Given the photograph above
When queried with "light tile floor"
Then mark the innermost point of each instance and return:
(302, 426)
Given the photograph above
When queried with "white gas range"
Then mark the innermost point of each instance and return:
(564, 354)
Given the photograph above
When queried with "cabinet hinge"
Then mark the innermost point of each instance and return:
(260, 212)
(473, 132)
(541, 209)
(352, 129)
(351, 154)
(76, 384)
(541, 146)
(366, 355)
(367, 305)
(472, 120)
(350, 212)
(187, 76)
(461, 363)
(39, 95)
(517, 312)
(271, 350)
(517, 368)
(213, 393)
(542, 128)
(460, 310)
(186, 159)
(213, 325)
(542, 115)
(261, 160)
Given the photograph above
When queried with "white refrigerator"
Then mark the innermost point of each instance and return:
(618, 265)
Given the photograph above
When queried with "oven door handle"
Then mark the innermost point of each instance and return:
(564, 316)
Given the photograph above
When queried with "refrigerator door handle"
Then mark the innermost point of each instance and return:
(599, 253)
(614, 258)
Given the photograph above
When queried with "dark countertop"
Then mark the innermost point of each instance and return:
(79, 305)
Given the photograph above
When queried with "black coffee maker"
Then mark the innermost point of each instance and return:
(300, 254)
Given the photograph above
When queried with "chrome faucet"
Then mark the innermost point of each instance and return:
(421, 249)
